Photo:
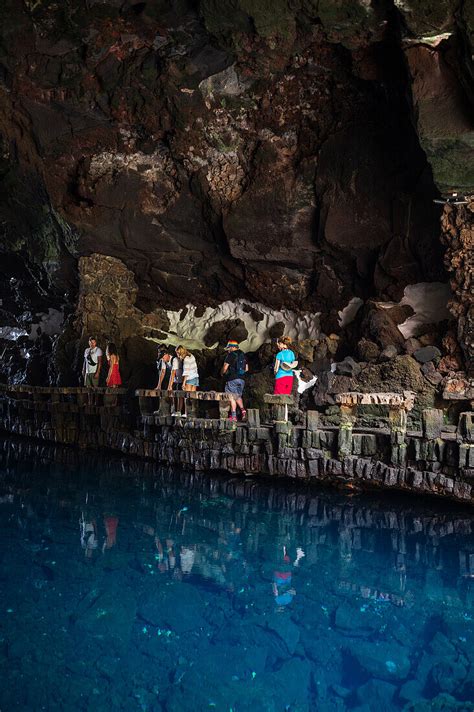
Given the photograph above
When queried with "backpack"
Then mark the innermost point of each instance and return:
(240, 364)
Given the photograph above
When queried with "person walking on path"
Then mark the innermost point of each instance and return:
(92, 364)
(113, 377)
(190, 369)
(285, 362)
(163, 366)
(234, 369)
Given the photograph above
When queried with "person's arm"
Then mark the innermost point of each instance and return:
(172, 377)
(185, 371)
(161, 376)
(174, 370)
(111, 365)
(299, 555)
(99, 366)
(225, 365)
(276, 367)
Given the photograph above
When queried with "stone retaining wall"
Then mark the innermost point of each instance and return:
(435, 461)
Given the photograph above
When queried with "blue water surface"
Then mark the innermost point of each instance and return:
(126, 586)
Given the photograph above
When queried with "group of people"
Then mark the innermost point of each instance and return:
(92, 365)
(223, 562)
(178, 370)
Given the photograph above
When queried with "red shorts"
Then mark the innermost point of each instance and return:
(283, 386)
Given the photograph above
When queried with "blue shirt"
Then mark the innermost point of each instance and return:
(286, 356)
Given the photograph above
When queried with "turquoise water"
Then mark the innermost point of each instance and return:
(125, 586)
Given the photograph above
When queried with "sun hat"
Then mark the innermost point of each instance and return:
(231, 344)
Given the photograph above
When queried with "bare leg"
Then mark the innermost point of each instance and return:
(233, 407)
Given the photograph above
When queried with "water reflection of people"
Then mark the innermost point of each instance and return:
(88, 529)
(283, 590)
(187, 556)
(110, 524)
(375, 594)
(166, 556)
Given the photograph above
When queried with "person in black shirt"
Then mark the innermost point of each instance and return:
(234, 369)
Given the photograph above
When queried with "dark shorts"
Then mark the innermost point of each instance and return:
(236, 387)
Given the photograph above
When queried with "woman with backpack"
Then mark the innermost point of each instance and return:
(234, 369)
(285, 362)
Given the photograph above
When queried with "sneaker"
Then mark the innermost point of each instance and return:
(233, 418)
(243, 414)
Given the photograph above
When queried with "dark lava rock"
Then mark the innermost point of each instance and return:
(368, 350)
(254, 313)
(378, 695)
(441, 703)
(411, 691)
(427, 353)
(388, 353)
(350, 619)
(110, 616)
(221, 331)
(450, 364)
(178, 607)
(400, 313)
(348, 367)
(412, 345)
(431, 374)
(377, 326)
(384, 660)
(448, 675)
(442, 647)
(276, 330)
(286, 630)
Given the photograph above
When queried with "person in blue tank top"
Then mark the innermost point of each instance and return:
(285, 362)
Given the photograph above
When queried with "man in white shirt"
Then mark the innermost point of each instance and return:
(92, 364)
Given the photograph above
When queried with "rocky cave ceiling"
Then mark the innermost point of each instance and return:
(285, 152)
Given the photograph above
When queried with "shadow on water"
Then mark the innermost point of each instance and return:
(126, 585)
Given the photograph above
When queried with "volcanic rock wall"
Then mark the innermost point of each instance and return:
(284, 153)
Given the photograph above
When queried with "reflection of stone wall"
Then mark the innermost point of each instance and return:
(437, 463)
(458, 236)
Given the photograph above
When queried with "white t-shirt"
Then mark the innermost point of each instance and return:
(177, 366)
(190, 369)
(94, 353)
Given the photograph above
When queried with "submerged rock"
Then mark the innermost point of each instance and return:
(178, 607)
(286, 630)
(377, 695)
(385, 661)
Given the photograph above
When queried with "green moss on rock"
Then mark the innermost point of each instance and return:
(427, 17)
(452, 161)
